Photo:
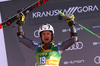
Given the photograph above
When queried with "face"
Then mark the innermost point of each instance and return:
(46, 36)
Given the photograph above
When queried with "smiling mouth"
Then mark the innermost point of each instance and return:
(46, 39)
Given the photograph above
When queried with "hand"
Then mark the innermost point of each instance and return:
(70, 18)
(21, 18)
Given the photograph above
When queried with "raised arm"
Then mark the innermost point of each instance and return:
(73, 34)
(21, 37)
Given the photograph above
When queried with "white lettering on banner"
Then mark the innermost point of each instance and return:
(76, 46)
(36, 33)
(87, 8)
(74, 62)
(97, 59)
(47, 13)
(96, 43)
(68, 30)
(71, 10)
(96, 26)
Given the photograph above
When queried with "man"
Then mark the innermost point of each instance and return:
(47, 52)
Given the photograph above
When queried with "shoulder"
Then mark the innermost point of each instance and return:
(55, 44)
(60, 43)
(36, 43)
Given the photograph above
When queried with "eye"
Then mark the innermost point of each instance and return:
(49, 33)
(43, 34)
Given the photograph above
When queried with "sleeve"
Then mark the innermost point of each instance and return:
(68, 42)
(26, 41)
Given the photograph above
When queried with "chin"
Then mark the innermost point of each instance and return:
(46, 42)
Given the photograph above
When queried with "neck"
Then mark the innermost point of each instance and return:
(47, 45)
